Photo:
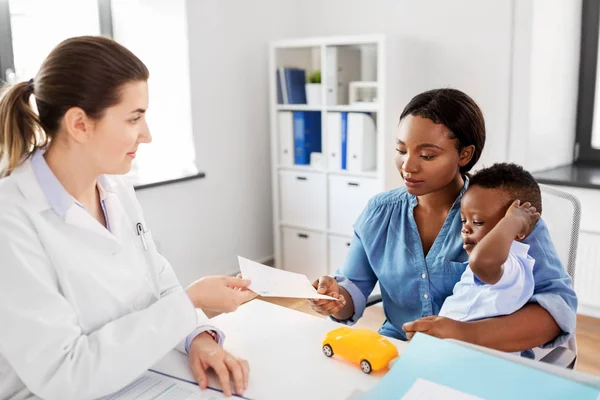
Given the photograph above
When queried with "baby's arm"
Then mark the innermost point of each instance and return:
(489, 255)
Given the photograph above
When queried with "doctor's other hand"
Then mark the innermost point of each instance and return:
(220, 293)
(328, 286)
(205, 353)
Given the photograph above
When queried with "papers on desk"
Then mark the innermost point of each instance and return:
(466, 370)
(426, 390)
(155, 386)
(273, 282)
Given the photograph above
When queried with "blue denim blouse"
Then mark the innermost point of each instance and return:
(387, 248)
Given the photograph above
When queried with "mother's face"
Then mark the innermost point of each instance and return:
(427, 158)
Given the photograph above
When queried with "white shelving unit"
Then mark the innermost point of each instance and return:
(298, 107)
(314, 207)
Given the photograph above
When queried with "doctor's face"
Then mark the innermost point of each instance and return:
(121, 129)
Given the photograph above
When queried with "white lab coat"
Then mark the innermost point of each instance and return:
(83, 311)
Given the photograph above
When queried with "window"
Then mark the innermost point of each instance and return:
(39, 25)
(155, 30)
(588, 118)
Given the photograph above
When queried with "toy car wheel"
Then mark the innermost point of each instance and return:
(365, 366)
(327, 350)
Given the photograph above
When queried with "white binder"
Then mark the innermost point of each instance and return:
(342, 67)
(334, 141)
(286, 137)
(361, 143)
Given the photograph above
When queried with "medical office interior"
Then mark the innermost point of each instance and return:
(232, 84)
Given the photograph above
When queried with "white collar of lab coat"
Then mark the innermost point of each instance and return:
(69, 210)
(56, 195)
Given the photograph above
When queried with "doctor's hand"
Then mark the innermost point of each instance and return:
(220, 293)
(440, 327)
(328, 286)
(205, 353)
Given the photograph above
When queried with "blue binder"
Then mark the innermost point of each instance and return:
(307, 135)
(279, 91)
(344, 151)
(295, 82)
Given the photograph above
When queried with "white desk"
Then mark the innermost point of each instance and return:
(283, 348)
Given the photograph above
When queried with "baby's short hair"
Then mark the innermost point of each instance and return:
(511, 179)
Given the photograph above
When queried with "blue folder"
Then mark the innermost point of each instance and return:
(280, 99)
(295, 81)
(474, 372)
(344, 157)
(307, 135)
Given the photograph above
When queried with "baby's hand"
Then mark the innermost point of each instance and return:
(524, 214)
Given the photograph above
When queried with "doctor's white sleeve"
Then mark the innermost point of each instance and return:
(42, 341)
(169, 283)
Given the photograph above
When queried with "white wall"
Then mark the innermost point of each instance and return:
(518, 59)
(202, 225)
(466, 44)
(545, 82)
(463, 44)
(520, 81)
(554, 82)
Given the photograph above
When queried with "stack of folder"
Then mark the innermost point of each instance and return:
(291, 86)
(351, 141)
(299, 136)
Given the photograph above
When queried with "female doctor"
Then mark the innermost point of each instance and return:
(86, 302)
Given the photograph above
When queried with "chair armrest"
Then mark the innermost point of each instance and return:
(561, 357)
(374, 299)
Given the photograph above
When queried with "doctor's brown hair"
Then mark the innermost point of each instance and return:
(86, 72)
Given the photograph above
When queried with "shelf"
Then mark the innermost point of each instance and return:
(329, 41)
(365, 84)
(343, 108)
(300, 168)
(354, 108)
(298, 107)
(307, 168)
(332, 198)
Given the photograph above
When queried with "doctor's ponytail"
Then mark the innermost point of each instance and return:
(20, 132)
(87, 72)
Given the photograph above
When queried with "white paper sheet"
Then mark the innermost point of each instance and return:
(273, 282)
(426, 390)
(152, 385)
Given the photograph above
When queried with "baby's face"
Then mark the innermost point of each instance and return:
(480, 210)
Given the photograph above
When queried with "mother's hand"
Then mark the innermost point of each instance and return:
(440, 327)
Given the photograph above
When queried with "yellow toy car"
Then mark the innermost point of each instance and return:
(368, 349)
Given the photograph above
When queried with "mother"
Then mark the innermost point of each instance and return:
(409, 240)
